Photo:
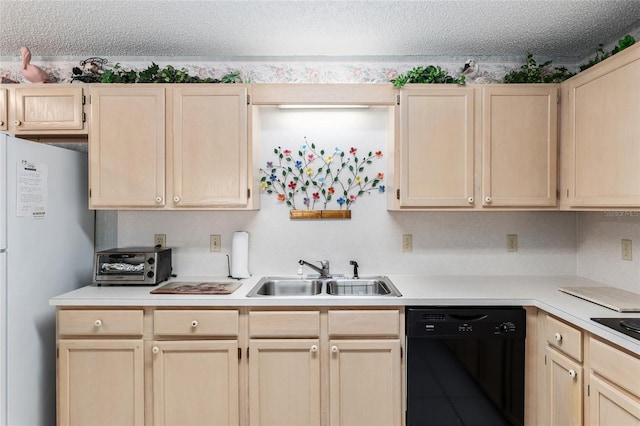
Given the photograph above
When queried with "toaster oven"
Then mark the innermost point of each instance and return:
(132, 266)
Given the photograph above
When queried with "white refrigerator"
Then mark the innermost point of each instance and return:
(46, 248)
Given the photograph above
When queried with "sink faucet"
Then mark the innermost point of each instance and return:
(323, 270)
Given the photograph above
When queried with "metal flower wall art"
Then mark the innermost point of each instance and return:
(313, 178)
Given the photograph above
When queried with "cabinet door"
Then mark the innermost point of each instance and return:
(210, 145)
(436, 147)
(3, 109)
(100, 382)
(604, 134)
(608, 405)
(127, 147)
(519, 145)
(284, 382)
(365, 382)
(195, 382)
(47, 108)
(564, 389)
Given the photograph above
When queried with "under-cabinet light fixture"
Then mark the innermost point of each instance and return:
(323, 106)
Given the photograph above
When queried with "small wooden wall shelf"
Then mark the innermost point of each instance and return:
(320, 214)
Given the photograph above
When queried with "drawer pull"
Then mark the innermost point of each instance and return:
(314, 348)
(98, 323)
(176, 199)
(572, 373)
(334, 349)
(155, 350)
(470, 200)
(194, 323)
(558, 337)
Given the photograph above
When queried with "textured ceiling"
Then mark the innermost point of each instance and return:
(267, 28)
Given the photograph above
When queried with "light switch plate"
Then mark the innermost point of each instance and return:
(627, 252)
(215, 242)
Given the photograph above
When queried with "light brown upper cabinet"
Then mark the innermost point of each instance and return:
(519, 145)
(127, 147)
(601, 135)
(436, 146)
(4, 117)
(210, 146)
(47, 109)
(513, 165)
(169, 147)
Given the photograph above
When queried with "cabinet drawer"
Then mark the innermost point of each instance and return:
(615, 365)
(195, 323)
(364, 323)
(100, 323)
(564, 337)
(284, 324)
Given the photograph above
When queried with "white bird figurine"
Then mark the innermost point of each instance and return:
(471, 69)
(30, 72)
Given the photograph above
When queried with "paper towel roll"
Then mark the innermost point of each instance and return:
(240, 255)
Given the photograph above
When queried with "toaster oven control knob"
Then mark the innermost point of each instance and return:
(194, 323)
(98, 323)
(150, 274)
(151, 261)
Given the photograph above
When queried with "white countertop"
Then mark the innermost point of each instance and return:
(424, 290)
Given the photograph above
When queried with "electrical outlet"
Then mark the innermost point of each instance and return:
(407, 243)
(160, 240)
(214, 242)
(627, 253)
(512, 243)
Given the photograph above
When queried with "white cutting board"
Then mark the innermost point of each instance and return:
(609, 297)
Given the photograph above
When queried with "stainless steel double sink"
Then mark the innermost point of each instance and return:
(379, 286)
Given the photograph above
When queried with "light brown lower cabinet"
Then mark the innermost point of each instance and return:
(613, 388)
(365, 382)
(100, 382)
(564, 389)
(284, 382)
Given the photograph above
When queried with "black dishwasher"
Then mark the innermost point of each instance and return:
(465, 365)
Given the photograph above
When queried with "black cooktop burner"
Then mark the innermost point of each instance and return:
(628, 326)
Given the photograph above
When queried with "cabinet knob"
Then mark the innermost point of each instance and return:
(158, 199)
(314, 348)
(98, 323)
(470, 200)
(194, 323)
(1, 123)
(558, 336)
(176, 199)
(17, 122)
(155, 350)
(572, 373)
(487, 200)
(334, 349)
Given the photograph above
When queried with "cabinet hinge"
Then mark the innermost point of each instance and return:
(84, 100)
(248, 192)
(248, 99)
(57, 353)
(247, 352)
(89, 99)
(545, 360)
(401, 353)
(567, 192)
(397, 99)
(398, 193)
(239, 353)
(588, 390)
(558, 100)
(84, 117)
(89, 192)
